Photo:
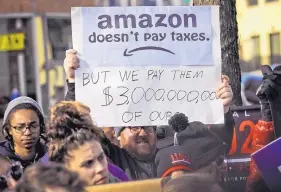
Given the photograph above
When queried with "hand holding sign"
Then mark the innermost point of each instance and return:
(71, 63)
(224, 92)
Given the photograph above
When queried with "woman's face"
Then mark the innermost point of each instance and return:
(89, 161)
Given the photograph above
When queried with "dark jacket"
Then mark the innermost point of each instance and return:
(134, 169)
(138, 170)
(6, 149)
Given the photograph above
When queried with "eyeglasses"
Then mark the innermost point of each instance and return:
(22, 128)
(137, 130)
(15, 172)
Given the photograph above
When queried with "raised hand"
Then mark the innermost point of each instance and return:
(225, 93)
(71, 63)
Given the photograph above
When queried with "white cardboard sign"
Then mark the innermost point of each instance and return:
(140, 65)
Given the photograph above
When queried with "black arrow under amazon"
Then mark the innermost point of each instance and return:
(129, 53)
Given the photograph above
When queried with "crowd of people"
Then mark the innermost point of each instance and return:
(69, 152)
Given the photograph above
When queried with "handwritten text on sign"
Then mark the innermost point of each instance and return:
(138, 96)
(145, 36)
(141, 65)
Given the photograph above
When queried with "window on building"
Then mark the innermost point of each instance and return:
(271, 0)
(256, 52)
(252, 2)
(275, 48)
(59, 35)
(59, 31)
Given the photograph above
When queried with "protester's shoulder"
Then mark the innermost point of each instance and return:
(3, 143)
(164, 131)
(43, 149)
(164, 143)
(5, 149)
(198, 126)
(193, 128)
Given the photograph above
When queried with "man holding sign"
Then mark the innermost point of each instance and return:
(139, 143)
(138, 66)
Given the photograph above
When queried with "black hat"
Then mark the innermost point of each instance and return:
(172, 159)
(197, 140)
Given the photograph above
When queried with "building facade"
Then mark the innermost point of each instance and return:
(259, 32)
(34, 35)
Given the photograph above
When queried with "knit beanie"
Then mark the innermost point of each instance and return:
(197, 140)
(18, 101)
(172, 159)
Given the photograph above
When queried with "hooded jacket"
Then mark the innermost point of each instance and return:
(139, 170)
(7, 150)
(7, 147)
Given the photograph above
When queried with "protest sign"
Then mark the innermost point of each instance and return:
(140, 65)
(238, 159)
(146, 36)
(246, 117)
(268, 160)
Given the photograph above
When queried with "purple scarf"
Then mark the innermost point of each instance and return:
(117, 172)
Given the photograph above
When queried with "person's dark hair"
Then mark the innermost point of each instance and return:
(4, 163)
(192, 182)
(68, 129)
(40, 178)
(11, 169)
(5, 128)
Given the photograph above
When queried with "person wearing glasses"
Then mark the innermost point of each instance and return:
(23, 126)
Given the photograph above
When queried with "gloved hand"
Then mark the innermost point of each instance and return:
(265, 106)
(271, 85)
(270, 90)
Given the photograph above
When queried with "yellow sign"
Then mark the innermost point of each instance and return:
(12, 42)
